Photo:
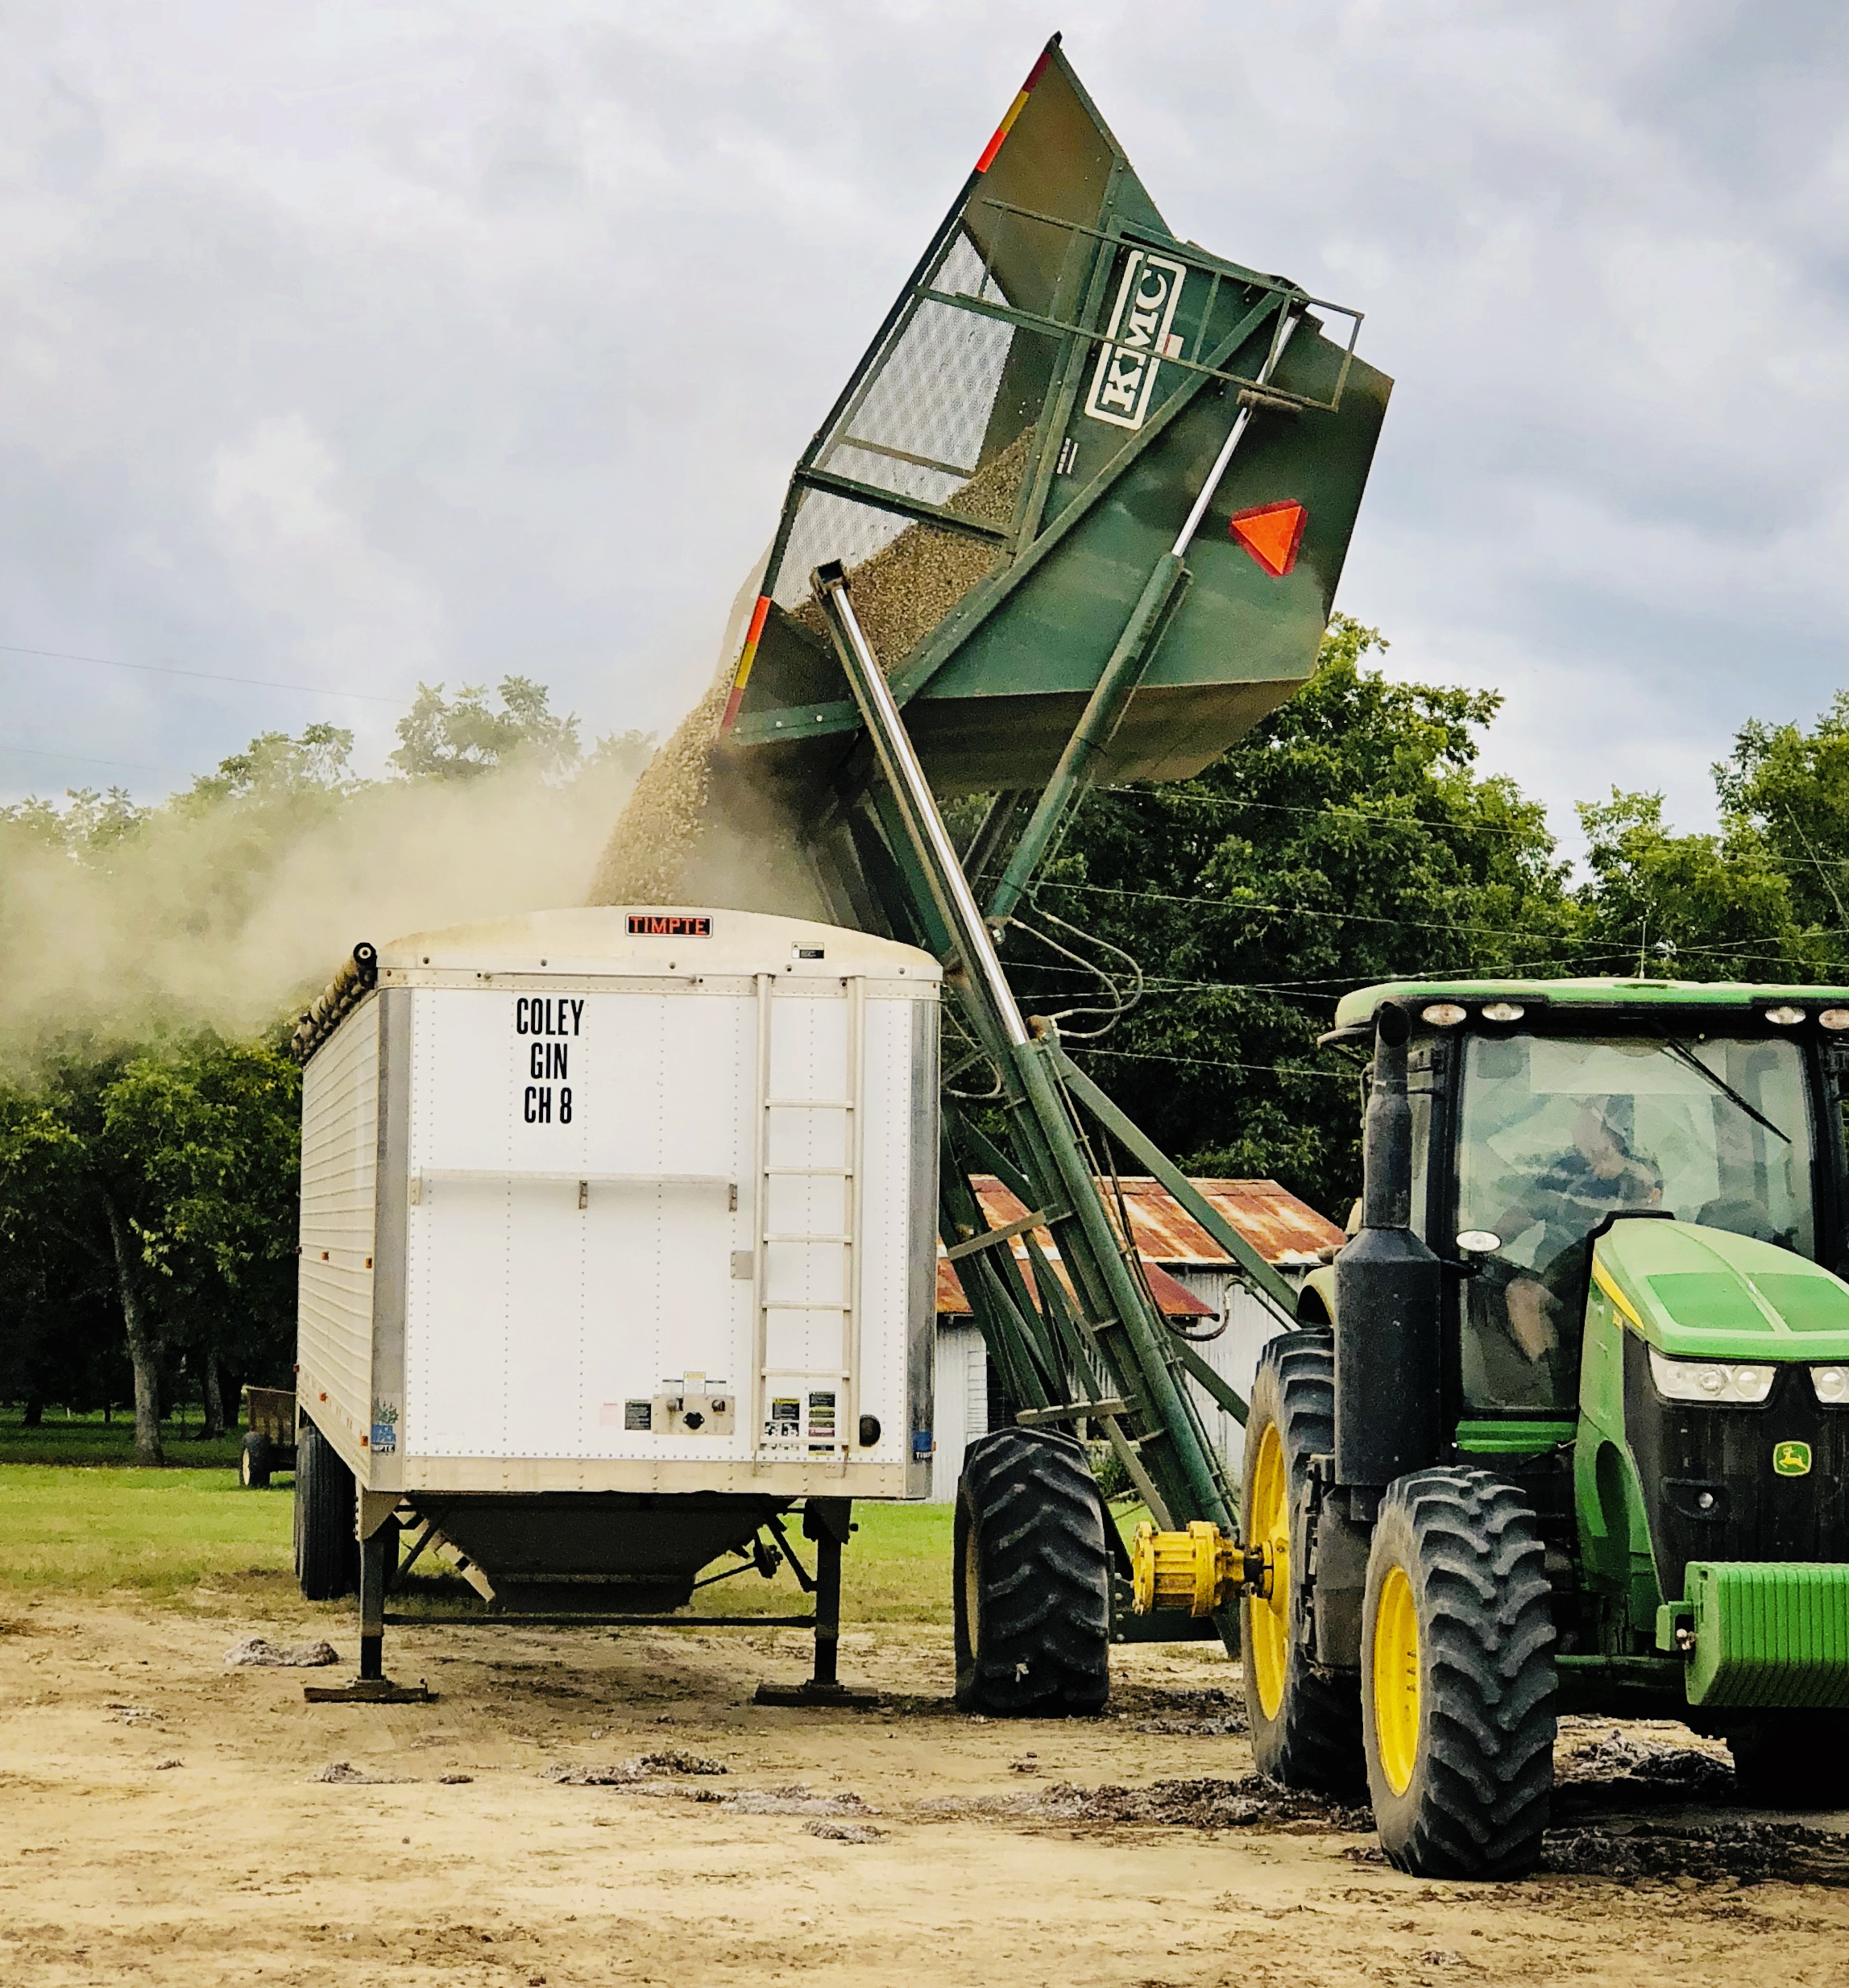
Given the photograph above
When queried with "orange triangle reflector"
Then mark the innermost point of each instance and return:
(1271, 532)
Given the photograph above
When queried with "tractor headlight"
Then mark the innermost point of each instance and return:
(1715, 1380)
(1832, 1385)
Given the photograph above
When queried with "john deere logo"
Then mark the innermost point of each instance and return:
(1791, 1459)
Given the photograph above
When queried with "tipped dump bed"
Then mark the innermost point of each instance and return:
(1003, 472)
(1018, 450)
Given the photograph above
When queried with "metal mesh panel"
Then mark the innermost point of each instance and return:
(828, 527)
(918, 425)
(919, 419)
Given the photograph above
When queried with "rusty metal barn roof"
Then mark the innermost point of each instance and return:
(1282, 1228)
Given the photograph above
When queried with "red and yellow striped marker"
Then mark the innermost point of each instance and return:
(1016, 107)
(747, 657)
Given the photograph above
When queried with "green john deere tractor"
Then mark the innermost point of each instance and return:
(1566, 1422)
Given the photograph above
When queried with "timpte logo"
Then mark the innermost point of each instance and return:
(1140, 335)
(670, 925)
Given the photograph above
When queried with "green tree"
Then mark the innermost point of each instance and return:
(461, 737)
(172, 1174)
(1690, 907)
(215, 1131)
(1789, 790)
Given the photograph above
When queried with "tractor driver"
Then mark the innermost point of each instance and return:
(1527, 1317)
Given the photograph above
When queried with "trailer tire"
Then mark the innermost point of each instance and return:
(1306, 1722)
(1799, 1759)
(1032, 1578)
(256, 1459)
(1458, 1692)
(327, 1545)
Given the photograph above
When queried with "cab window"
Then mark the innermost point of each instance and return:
(1555, 1136)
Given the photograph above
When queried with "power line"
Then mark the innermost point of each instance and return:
(90, 759)
(1301, 910)
(1208, 1063)
(204, 676)
(1412, 924)
(1234, 803)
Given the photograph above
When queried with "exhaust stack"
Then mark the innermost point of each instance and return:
(1387, 1290)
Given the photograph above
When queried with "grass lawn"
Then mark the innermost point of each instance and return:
(194, 1536)
(162, 1534)
(90, 1440)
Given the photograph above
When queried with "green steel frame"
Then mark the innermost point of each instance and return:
(1100, 1352)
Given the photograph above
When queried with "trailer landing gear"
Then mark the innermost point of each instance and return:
(378, 1558)
(826, 1521)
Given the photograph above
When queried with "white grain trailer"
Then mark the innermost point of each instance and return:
(618, 1240)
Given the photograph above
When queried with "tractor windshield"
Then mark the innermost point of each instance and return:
(1555, 1134)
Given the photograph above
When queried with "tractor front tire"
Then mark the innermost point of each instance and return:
(1457, 1671)
(327, 1545)
(1032, 1575)
(1306, 1722)
(256, 1459)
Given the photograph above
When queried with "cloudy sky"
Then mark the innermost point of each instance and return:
(347, 346)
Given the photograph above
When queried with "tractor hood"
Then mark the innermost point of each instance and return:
(1701, 1293)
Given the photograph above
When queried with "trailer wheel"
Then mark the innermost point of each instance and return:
(1798, 1761)
(256, 1458)
(1306, 1722)
(1457, 1660)
(327, 1548)
(1032, 1579)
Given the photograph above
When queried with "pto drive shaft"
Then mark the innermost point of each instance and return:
(1200, 1569)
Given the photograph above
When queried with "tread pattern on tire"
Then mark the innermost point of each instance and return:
(327, 1553)
(256, 1461)
(1315, 1742)
(1042, 1648)
(1481, 1788)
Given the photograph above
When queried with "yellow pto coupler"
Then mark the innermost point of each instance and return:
(1200, 1569)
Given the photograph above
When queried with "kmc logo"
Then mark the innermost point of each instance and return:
(1139, 335)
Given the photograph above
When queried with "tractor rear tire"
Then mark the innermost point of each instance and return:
(327, 1543)
(1306, 1722)
(1458, 1692)
(1796, 1760)
(256, 1459)
(1033, 1574)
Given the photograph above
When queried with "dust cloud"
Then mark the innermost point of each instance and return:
(231, 916)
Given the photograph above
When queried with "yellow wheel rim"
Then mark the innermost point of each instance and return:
(1268, 1617)
(1396, 1679)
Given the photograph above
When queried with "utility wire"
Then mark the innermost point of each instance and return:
(1232, 804)
(205, 676)
(89, 759)
(1410, 925)
(1211, 1063)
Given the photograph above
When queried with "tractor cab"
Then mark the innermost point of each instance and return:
(1544, 1113)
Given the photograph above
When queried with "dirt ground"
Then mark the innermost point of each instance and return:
(163, 1819)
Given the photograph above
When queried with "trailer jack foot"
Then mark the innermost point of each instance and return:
(367, 1691)
(817, 1691)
